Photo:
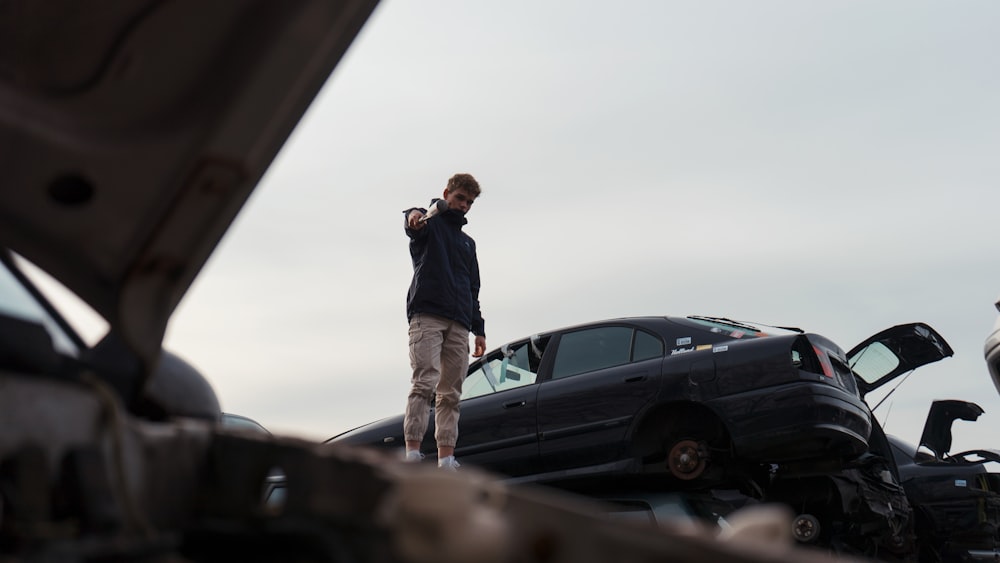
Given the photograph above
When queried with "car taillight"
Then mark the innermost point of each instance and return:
(824, 361)
(807, 356)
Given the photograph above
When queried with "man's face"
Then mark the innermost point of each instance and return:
(459, 199)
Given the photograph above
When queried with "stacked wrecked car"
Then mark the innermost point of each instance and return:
(733, 412)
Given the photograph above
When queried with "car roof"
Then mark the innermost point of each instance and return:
(133, 139)
(640, 320)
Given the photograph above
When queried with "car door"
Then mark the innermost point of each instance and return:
(885, 356)
(597, 381)
(498, 427)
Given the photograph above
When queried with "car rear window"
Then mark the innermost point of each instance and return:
(734, 329)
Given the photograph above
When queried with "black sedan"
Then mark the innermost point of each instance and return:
(694, 399)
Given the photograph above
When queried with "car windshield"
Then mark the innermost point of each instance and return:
(18, 302)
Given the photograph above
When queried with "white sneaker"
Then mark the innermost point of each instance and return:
(449, 463)
(413, 456)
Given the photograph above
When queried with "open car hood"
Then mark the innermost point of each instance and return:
(903, 348)
(133, 131)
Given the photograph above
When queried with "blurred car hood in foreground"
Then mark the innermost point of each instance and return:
(131, 134)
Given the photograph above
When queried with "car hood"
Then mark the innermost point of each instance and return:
(377, 426)
(885, 356)
(132, 132)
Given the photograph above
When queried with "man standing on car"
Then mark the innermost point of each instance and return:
(442, 306)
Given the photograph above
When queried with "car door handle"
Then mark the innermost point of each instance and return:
(513, 404)
(634, 378)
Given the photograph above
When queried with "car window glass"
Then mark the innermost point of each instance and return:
(873, 362)
(274, 496)
(646, 346)
(512, 366)
(17, 301)
(477, 384)
(735, 329)
(86, 322)
(596, 348)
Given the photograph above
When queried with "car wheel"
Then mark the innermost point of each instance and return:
(693, 447)
(690, 446)
(687, 459)
(806, 528)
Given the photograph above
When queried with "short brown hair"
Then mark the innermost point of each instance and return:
(464, 182)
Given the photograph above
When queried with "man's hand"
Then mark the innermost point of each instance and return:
(480, 347)
(413, 220)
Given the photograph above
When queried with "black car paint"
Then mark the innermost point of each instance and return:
(770, 403)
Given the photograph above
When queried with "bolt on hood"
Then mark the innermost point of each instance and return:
(132, 132)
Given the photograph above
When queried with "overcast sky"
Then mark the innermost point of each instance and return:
(830, 165)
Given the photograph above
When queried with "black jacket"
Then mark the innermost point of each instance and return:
(445, 271)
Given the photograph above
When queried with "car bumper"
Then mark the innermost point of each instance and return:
(798, 421)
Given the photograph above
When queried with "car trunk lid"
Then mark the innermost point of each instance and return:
(903, 348)
(937, 428)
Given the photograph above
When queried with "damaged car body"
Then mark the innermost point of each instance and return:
(955, 496)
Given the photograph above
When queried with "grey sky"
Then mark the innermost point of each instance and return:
(828, 165)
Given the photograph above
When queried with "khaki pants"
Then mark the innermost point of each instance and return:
(439, 356)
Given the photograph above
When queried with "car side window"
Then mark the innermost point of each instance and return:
(646, 346)
(477, 384)
(590, 349)
(514, 365)
(603, 347)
